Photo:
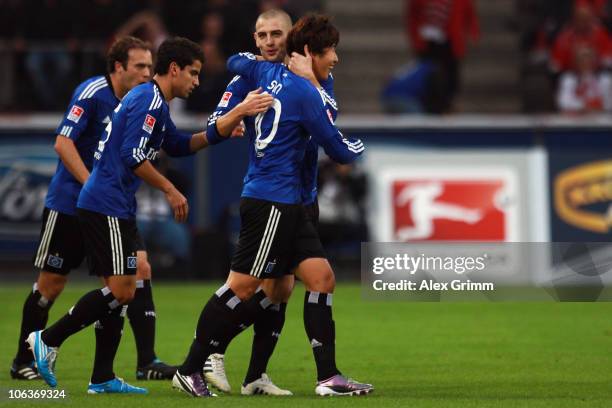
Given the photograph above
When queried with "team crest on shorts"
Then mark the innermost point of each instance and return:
(270, 266)
(131, 262)
(55, 261)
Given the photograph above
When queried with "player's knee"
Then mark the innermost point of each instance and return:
(283, 291)
(243, 286)
(143, 269)
(124, 296)
(123, 290)
(51, 285)
(244, 292)
(324, 282)
(51, 291)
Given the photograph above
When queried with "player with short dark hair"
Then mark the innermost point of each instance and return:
(139, 127)
(271, 29)
(275, 231)
(129, 63)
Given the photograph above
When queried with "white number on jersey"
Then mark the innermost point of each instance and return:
(261, 141)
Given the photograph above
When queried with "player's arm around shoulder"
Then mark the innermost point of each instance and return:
(238, 101)
(248, 65)
(319, 122)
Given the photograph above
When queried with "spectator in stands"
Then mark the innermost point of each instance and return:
(539, 23)
(585, 30)
(585, 89)
(47, 32)
(9, 25)
(146, 25)
(603, 11)
(410, 88)
(438, 30)
(214, 76)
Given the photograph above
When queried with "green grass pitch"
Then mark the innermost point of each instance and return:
(416, 354)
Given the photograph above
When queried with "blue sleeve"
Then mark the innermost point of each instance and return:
(77, 117)
(176, 143)
(329, 96)
(246, 64)
(235, 92)
(139, 125)
(319, 124)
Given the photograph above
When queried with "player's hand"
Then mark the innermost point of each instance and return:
(179, 204)
(238, 130)
(301, 65)
(256, 102)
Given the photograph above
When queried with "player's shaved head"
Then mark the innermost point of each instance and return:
(283, 17)
(270, 34)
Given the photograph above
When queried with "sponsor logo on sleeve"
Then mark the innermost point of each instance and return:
(149, 124)
(225, 99)
(75, 113)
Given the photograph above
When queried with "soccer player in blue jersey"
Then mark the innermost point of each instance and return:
(129, 63)
(271, 29)
(274, 226)
(139, 127)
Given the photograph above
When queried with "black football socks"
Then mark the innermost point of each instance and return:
(224, 316)
(268, 326)
(108, 336)
(142, 319)
(93, 306)
(321, 332)
(34, 317)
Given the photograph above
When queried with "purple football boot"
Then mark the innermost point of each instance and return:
(193, 384)
(340, 385)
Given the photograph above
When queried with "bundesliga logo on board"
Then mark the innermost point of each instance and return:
(442, 210)
(148, 124)
(75, 113)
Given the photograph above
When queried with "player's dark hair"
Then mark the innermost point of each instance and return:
(314, 30)
(180, 50)
(119, 51)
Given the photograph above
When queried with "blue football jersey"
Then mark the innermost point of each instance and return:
(89, 111)
(235, 92)
(281, 134)
(310, 168)
(139, 127)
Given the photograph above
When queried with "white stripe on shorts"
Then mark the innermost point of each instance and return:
(116, 247)
(43, 248)
(266, 242)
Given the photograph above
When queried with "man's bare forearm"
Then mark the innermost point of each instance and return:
(227, 122)
(152, 177)
(70, 157)
(198, 142)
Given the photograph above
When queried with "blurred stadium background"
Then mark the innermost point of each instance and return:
(462, 95)
(500, 107)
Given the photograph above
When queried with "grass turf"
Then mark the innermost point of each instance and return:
(416, 354)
